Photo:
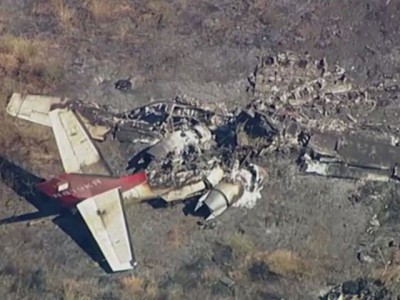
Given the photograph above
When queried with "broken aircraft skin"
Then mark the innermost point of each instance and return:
(201, 149)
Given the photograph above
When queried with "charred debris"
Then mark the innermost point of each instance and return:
(299, 103)
(361, 288)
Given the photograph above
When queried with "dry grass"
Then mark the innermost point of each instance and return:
(6, 282)
(32, 143)
(288, 263)
(24, 283)
(101, 10)
(25, 61)
(158, 6)
(134, 287)
(241, 244)
(176, 294)
(124, 32)
(175, 238)
(390, 274)
(106, 10)
(319, 244)
(19, 48)
(26, 65)
(179, 235)
(283, 262)
(77, 289)
(211, 275)
(133, 284)
(152, 291)
(65, 14)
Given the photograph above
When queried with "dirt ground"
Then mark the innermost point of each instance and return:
(306, 235)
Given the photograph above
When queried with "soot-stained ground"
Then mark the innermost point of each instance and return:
(305, 236)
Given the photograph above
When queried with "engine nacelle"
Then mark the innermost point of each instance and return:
(241, 189)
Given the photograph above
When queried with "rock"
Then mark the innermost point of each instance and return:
(227, 281)
(123, 85)
(350, 288)
(361, 289)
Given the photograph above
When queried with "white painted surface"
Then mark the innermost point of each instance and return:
(33, 108)
(105, 219)
(74, 144)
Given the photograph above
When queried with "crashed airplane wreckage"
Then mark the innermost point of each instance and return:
(204, 150)
(183, 161)
(185, 156)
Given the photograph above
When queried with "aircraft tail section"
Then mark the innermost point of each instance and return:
(33, 108)
(71, 189)
(78, 152)
(104, 215)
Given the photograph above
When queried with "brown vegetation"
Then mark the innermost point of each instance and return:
(390, 273)
(178, 236)
(106, 10)
(134, 284)
(241, 244)
(134, 287)
(284, 262)
(288, 263)
(74, 289)
(26, 65)
(211, 275)
(65, 14)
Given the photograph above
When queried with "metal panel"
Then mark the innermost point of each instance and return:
(33, 108)
(367, 152)
(341, 170)
(77, 151)
(106, 220)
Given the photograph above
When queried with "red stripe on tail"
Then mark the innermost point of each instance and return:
(70, 189)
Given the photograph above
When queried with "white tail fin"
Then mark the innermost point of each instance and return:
(77, 151)
(105, 218)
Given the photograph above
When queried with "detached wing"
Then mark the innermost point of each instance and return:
(78, 152)
(105, 218)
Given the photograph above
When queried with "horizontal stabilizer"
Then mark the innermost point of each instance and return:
(77, 151)
(33, 108)
(105, 218)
